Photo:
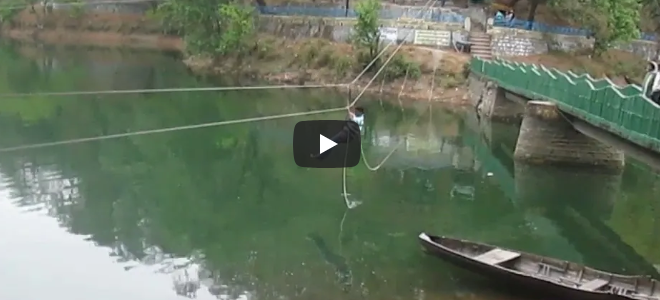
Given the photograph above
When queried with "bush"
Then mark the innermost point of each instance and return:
(449, 81)
(399, 66)
(342, 65)
(9, 11)
(77, 9)
(265, 48)
(325, 58)
(364, 59)
(466, 70)
(312, 50)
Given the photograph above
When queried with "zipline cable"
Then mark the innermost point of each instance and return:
(172, 90)
(203, 125)
(428, 5)
(170, 129)
(211, 124)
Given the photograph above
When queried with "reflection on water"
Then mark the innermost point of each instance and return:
(224, 212)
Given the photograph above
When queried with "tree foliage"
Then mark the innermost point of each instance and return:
(651, 19)
(238, 24)
(651, 10)
(533, 5)
(216, 27)
(366, 31)
(610, 21)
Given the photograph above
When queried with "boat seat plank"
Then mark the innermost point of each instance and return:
(619, 290)
(496, 256)
(593, 284)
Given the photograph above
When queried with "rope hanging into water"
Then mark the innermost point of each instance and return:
(349, 204)
(352, 204)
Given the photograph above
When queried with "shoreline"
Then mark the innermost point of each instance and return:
(124, 31)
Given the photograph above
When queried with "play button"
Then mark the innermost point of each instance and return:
(325, 144)
(313, 149)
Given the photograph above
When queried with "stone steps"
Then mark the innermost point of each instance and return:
(481, 45)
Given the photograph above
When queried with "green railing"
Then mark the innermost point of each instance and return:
(623, 111)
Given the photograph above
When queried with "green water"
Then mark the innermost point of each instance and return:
(224, 211)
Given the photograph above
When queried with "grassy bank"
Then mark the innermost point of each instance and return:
(615, 64)
(322, 61)
(304, 61)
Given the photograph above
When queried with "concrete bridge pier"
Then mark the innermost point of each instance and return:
(490, 101)
(547, 137)
(499, 134)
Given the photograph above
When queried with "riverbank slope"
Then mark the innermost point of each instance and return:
(433, 75)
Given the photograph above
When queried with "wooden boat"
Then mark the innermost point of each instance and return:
(538, 273)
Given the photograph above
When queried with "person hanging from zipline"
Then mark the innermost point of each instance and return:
(651, 84)
(349, 132)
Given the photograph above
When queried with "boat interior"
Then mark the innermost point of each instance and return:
(557, 271)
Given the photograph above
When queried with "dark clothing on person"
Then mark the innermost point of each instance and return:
(655, 97)
(350, 132)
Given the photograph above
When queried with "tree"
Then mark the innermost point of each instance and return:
(533, 5)
(651, 12)
(366, 31)
(609, 21)
(214, 27)
(239, 25)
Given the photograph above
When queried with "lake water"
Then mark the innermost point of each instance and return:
(223, 212)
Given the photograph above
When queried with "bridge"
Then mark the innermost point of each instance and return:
(500, 87)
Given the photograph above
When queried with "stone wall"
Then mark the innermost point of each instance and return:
(515, 42)
(340, 29)
(419, 12)
(104, 6)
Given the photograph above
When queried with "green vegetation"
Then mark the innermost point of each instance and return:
(366, 32)
(316, 54)
(9, 9)
(211, 27)
(613, 63)
(399, 67)
(226, 31)
(610, 21)
(76, 8)
(367, 40)
(651, 17)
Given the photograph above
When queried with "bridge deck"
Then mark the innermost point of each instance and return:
(623, 111)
